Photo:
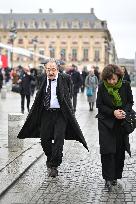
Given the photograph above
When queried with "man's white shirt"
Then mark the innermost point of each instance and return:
(54, 101)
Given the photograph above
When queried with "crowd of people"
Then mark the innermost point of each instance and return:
(52, 116)
(24, 80)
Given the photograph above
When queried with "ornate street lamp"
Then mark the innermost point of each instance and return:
(35, 41)
(12, 36)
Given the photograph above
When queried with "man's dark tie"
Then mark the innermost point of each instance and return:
(47, 97)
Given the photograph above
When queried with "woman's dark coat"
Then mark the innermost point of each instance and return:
(31, 128)
(106, 118)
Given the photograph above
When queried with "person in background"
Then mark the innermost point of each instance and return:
(114, 98)
(96, 72)
(52, 118)
(77, 82)
(91, 81)
(126, 76)
(24, 81)
(7, 74)
(84, 74)
(1, 78)
(40, 76)
(14, 76)
(33, 72)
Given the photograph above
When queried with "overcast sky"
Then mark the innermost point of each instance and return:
(119, 14)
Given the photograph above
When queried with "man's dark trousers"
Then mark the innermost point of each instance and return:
(23, 101)
(74, 101)
(53, 126)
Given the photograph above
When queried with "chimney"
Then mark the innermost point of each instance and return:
(50, 10)
(11, 11)
(92, 10)
(40, 10)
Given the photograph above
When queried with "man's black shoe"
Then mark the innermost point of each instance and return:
(53, 172)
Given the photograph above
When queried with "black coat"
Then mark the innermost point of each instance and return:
(107, 120)
(25, 84)
(76, 79)
(1, 79)
(31, 128)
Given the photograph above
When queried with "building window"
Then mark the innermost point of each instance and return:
(85, 54)
(63, 24)
(52, 52)
(86, 24)
(31, 24)
(74, 42)
(97, 56)
(20, 41)
(75, 24)
(74, 54)
(31, 50)
(41, 52)
(53, 24)
(63, 54)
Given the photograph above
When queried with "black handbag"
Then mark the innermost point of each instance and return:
(129, 123)
(16, 88)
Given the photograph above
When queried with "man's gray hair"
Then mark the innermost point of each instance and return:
(52, 60)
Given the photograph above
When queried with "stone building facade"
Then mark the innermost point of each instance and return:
(79, 38)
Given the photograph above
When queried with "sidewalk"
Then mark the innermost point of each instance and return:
(14, 162)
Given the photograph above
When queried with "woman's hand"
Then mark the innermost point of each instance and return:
(19, 81)
(119, 114)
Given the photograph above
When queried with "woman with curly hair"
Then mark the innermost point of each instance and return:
(114, 98)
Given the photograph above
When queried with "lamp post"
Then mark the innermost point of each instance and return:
(35, 41)
(12, 35)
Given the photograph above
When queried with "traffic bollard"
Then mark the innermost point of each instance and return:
(15, 123)
(3, 92)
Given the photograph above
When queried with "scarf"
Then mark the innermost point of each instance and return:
(113, 90)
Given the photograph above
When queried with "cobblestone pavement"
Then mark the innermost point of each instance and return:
(12, 104)
(79, 180)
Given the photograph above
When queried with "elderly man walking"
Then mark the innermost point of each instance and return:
(52, 118)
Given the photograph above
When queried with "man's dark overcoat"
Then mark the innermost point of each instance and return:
(31, 127)
(106, 118)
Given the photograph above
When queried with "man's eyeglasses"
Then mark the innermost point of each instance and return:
(51, 69)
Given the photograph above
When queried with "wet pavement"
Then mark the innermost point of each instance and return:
(14, 161)
(79, 180)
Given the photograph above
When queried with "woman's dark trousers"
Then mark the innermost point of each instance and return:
(53, 126)
(112, 164)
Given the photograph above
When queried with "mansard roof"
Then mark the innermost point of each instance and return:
(48, 17)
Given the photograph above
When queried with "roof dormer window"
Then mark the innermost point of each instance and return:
(75, 24)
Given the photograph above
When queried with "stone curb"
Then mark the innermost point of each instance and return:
(14, 170)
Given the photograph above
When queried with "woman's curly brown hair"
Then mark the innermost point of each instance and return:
(111, 69)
